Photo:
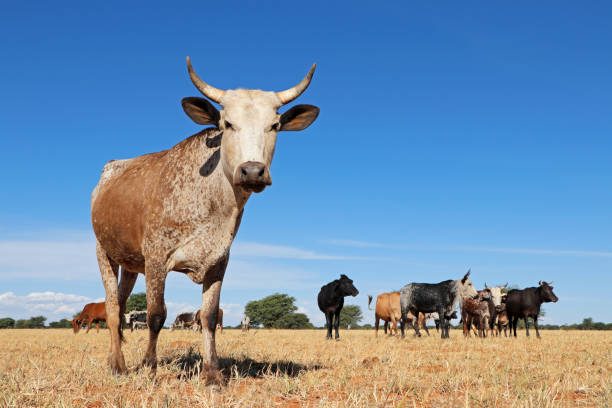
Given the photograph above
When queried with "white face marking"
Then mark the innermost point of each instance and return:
(247, 121)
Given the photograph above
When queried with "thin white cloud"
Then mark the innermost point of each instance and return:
(255, 249)
(471, 248)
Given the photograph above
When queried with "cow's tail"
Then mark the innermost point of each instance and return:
(369, 301)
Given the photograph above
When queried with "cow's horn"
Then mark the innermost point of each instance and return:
(540, 283)
(209, 91)
(290, 94)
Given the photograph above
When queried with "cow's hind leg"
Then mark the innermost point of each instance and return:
(376, 325)
(329, 319)
(526, 318)
(108, 271)
(155, 277)
(126, 284)
(535, 324)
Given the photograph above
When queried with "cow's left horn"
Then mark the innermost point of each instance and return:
(290, 94)
(209, 91)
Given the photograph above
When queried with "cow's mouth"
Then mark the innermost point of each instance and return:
(254, 187)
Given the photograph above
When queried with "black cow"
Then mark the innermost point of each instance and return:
(526, 303)
(331, 301)
(434, 297)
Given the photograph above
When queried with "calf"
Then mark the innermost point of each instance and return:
(476, 311)
(91, 313)
(331, 301)
(441, 298)
(526, 303)
(502, 320)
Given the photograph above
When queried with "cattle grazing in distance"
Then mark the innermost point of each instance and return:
(441, 298)
(136, 319)
(331, 302)
(197, 321)
(179, 209)
(526, 303)
(183, 321)
(245, 323)
(91, 313)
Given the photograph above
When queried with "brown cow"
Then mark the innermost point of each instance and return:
(388, 309)
(197, 322)
(180, 209)
(91, 313)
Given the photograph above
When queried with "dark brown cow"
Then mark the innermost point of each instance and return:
(91, 313)
(179, 209)
(476, 311)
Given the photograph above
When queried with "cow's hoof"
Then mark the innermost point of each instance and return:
(117, 366)
(212, 377)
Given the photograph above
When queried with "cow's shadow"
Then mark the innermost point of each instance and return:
(189, 364)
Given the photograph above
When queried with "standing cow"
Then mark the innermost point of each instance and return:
(331, 302)
(179, 209)
(526, 303)
(183, 321)
(441, 298)
(136, 319)
(197, 321)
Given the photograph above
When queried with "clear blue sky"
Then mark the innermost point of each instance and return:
(451, 136)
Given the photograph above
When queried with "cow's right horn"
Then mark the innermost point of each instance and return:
(207, 90)
(290, 94)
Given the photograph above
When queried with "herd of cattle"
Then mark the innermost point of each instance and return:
(485, 311)
(488, 310)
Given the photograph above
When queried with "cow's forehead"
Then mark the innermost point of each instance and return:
(250, 104)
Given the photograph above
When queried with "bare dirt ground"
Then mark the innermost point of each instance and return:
(283, 368)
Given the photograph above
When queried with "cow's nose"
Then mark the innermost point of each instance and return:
(253, 176)
(252, 171)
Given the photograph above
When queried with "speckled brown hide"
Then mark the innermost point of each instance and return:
(159, 208)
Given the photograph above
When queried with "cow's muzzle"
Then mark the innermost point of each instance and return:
(252, 176)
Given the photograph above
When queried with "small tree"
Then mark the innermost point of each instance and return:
(269, 310)
(350, 314)
(37, 322)
(7, 323)
(137, 301)
(293, 321)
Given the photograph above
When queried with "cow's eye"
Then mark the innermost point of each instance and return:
(227, 125)
(275, 126)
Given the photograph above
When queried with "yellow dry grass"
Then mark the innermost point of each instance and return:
(56, 368)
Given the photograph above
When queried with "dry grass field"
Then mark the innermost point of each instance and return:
(282, 368)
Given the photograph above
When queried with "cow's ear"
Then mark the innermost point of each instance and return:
(299, 117)
(200, 110)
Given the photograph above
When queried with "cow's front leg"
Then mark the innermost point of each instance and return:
(155, 277)
(336, 324)
(535, 324)
(211, 292)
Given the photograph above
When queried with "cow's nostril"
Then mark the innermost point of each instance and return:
(244, 171)
(261, 172)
